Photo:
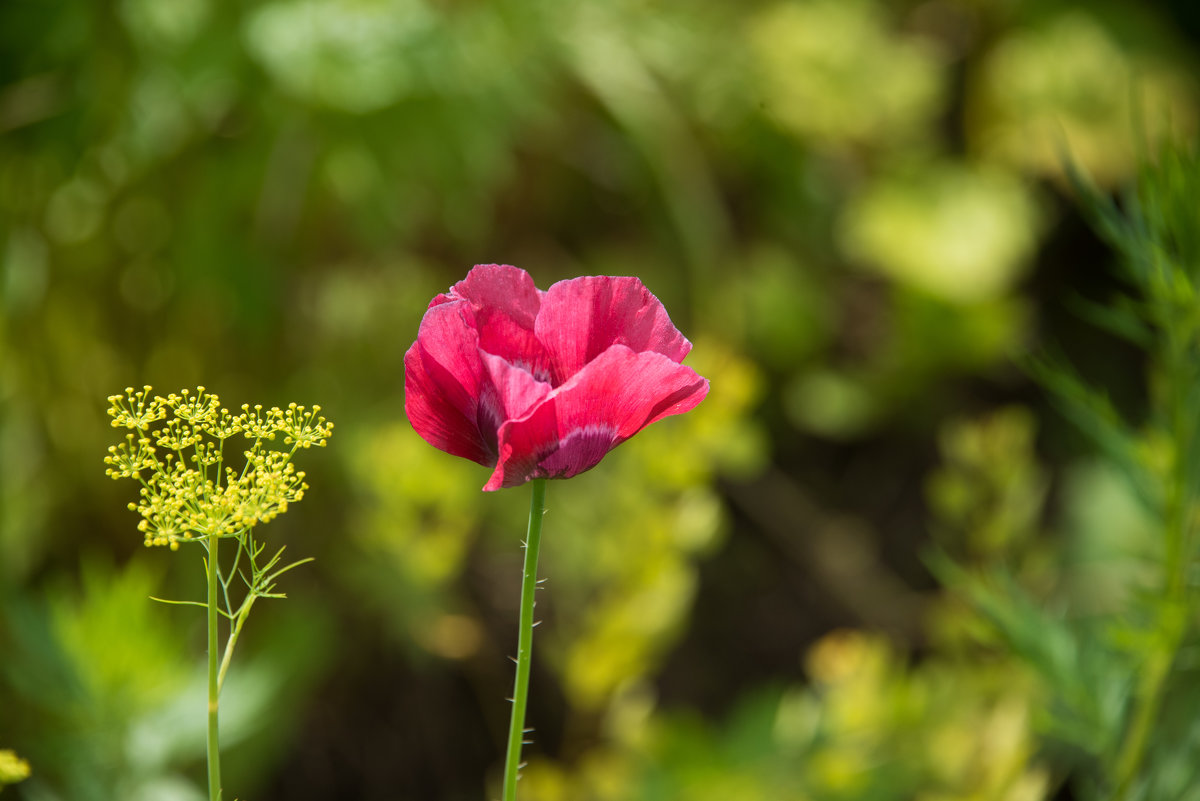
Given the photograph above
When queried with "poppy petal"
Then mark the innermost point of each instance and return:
(580, 318)
(443, 372)
(508, 392)
(501, 287)
(436, 416)
(503, 303)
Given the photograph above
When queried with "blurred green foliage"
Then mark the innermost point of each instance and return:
(865, 728)
(854, 209)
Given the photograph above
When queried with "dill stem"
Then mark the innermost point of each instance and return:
(235, 631)
(214, 690)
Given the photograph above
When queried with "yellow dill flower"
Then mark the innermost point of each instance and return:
(177, 451)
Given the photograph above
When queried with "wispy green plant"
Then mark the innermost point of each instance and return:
(190, 492)
(1120, 669)
(1156, 235)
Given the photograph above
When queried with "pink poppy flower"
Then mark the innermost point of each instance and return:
(543, 384)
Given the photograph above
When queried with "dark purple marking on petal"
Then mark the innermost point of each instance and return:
(620, 390)
(580, 450)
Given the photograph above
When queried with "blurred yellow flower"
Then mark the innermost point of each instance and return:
(12, 768)
(832, 70)
(959, 233)
(1070, 88)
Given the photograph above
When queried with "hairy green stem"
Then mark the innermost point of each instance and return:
(516, 728)
(214, 690)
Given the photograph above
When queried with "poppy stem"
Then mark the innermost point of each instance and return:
(516, 729)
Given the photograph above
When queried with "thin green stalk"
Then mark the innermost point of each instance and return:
(1172, 621)
(214, 748)
(516, 729)
(235, 632)
(1150, 691)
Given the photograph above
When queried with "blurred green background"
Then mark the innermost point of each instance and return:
(854, 208)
